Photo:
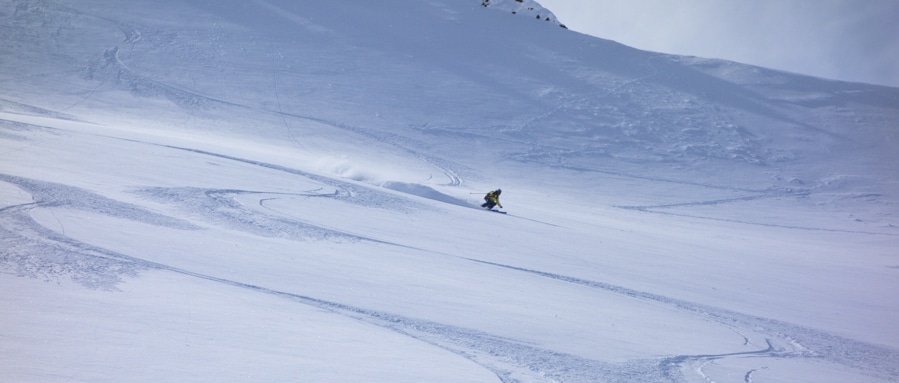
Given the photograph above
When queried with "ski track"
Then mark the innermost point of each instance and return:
(42, 253)
(31, 250)
(53, 194)
(684, 361)
(776, 193)
(748, 377)
(655, 179)
(794, 227)
(347, 191)
(38, 252)
(806, 342)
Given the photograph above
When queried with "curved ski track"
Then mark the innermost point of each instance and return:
(800, 342)
(39, 252)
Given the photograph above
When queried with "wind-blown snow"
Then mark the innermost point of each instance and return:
(288, 191)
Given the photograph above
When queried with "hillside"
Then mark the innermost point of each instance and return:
(287, 191)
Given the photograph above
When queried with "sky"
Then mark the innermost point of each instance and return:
(852, 40)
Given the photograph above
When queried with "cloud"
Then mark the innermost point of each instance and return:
(842, 39)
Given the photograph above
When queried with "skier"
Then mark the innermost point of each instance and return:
(492, 199)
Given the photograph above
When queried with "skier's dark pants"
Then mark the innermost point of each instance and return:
(489, 204)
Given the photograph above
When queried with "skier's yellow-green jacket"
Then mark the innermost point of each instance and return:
(493, 196)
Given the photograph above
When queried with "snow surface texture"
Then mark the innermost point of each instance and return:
(288, 191)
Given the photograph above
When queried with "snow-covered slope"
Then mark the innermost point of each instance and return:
(287, 191)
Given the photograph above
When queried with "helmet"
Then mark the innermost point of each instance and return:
(499, 191)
